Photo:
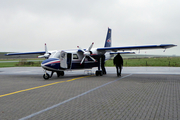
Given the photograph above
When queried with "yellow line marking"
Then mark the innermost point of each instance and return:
(41, 86)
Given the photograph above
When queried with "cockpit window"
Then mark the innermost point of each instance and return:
(55, 55)
(52, 55)
(75, 56)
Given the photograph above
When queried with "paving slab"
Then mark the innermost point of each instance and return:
(80, 96)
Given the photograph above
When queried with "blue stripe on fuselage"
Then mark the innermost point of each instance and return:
(51, 64)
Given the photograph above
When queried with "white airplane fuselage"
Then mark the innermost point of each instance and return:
(71, 60)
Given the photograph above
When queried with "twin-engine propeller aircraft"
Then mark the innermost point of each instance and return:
(76, 59)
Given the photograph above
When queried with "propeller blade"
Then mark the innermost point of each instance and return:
(90, 47)
(46, 55)
(81, 49)
(82, 60)
(92, 58)
(41, 56)
(46, 49)
(86, 53)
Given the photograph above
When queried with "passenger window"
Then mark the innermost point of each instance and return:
(75, 56)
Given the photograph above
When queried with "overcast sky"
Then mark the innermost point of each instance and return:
(25, 25)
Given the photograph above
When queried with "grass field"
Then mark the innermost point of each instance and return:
(21, 63)
(163, 61)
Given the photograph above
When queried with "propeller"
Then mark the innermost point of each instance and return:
(87, 53)
(46, 55)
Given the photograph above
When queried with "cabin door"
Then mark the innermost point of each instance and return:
(65, 60)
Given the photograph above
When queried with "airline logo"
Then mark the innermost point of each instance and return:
(108, 40)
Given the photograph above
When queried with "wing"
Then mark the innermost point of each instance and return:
(26, 53)
(43, 54)
(162, 46)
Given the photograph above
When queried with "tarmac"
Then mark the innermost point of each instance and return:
(141, 93)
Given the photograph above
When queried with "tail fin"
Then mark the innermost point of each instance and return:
(108, 38)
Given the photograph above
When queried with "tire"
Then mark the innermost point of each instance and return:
(62, 73)
(100, 73)
(97, 73)
(46, 76)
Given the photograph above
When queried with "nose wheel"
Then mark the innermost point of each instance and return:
(46, 76)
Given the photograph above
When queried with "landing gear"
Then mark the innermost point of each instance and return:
(46, 76)
(60, 73)
(99, 73)
(101, 69)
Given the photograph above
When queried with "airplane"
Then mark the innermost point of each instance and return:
(77, 59)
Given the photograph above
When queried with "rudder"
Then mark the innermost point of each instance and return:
(108, 38)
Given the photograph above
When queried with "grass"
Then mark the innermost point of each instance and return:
(11, 64)
(18, 59)
(21, 63)
(163, 61)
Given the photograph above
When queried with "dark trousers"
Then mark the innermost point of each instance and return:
(118, 68)
(103, 69)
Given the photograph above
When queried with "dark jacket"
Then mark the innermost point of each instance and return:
(118, 60)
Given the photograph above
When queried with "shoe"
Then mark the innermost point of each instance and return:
(118, 74)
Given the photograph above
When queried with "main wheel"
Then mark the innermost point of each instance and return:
(46, 76)
(62, 73)
(99, 72)
(58, 74)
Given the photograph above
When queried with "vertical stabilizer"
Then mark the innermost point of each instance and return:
(108, 38)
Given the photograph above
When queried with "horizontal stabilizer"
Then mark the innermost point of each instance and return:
(122, 52)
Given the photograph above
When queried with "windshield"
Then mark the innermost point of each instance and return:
(55, 54)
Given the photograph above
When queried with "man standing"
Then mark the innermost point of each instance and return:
(118, 61)
(102, 64)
